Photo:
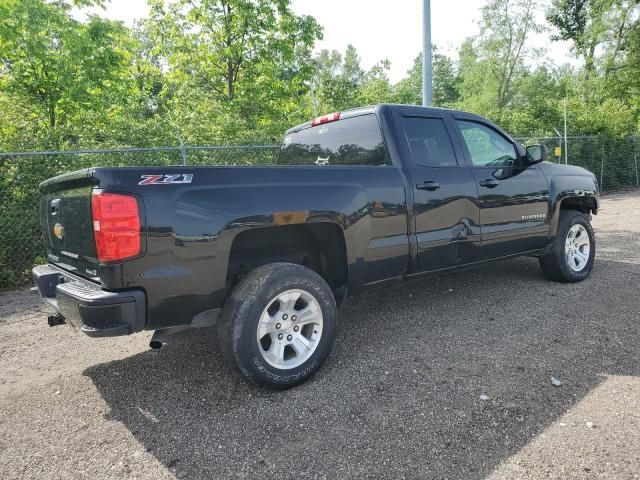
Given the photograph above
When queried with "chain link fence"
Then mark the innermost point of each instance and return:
(21, 244)
(615, 163)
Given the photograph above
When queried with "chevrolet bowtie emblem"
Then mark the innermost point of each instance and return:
(58, 231)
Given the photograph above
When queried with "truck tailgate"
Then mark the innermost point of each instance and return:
(65, 217)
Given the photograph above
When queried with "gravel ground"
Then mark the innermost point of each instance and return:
(440, 378)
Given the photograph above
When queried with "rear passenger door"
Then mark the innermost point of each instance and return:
(445, 210)
(513, 199)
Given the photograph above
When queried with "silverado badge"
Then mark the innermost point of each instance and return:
(535, 216)
(58, 231)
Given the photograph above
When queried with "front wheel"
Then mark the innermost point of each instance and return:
(278, 325)
(570, 256)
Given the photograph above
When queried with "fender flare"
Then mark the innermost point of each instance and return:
(582, 198)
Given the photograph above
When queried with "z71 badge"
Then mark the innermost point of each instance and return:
(167, 179)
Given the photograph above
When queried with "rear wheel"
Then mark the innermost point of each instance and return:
(278, 325)
(570, 256)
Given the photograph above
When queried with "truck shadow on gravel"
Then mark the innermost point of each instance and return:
(400, 395)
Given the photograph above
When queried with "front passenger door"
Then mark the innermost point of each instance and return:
(445, 210)
(514, 200)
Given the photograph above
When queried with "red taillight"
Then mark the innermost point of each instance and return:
(116, 226)
(332, 117)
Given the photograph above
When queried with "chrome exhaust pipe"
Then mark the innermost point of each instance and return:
(55, 320)
(160, 337)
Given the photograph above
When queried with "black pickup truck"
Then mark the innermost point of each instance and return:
(269, 253)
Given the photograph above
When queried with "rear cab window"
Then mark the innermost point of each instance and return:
(349, 141)
(429, 142)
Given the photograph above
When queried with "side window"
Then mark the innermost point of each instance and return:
(350, 141)
(486, 146)
(429, 142)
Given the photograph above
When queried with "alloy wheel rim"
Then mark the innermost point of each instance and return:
(290, 329)
(577, 248)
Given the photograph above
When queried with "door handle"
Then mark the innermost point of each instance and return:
(489, 183)
(428, 185)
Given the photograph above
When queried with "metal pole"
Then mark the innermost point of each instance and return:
(183, 149)
(427, 82)
(566, 152)
(314, 110)
(635, 159)
(559, 144)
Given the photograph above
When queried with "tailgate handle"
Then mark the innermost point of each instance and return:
(55, 206)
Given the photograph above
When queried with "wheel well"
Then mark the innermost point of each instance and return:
(318, 246)
(585, 205)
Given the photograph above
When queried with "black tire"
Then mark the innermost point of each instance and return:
(554, 262)
(241, 315)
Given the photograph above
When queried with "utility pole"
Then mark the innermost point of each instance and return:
(566, 152)
(427, 83)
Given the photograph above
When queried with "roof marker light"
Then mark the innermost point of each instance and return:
(332, 117)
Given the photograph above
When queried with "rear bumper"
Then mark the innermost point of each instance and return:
(86, 306)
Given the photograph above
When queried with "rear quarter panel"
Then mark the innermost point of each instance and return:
(191, 227)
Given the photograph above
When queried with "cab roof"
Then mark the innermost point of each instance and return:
(369, 109)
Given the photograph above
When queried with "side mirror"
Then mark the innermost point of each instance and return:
(536, 154)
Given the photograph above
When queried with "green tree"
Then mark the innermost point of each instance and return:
(536, 103)
(235, 70)
(627, 78)
(478, 86)
(409, 89)
(445, 82)
(581, 23)
(342, 83)
(375, 87)
(505, 28)
(337, 79)
(590, 24)
(351, 70)
(603, 34)
(621, 53)
(222, 45)
(59, 65)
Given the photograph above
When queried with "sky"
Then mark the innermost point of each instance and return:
(381, 30)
